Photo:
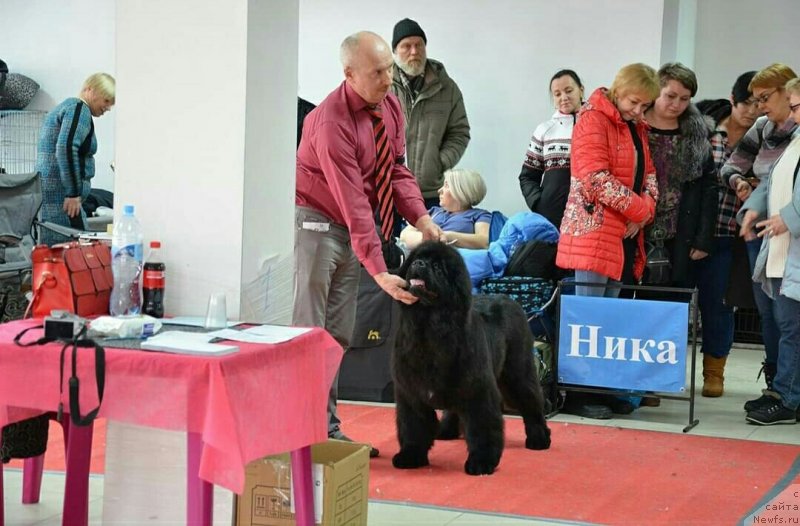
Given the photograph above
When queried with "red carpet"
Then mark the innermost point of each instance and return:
(54, 457)
(591, 473)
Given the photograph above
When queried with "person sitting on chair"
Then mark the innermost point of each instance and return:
(464, 225)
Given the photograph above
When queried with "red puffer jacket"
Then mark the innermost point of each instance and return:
(601, 200)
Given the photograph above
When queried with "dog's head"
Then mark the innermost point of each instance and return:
(437, 275)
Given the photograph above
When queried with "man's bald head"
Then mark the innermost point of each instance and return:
(367, 61)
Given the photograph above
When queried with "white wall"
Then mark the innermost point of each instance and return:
(58, 44)
(501, 53)
(738, 36)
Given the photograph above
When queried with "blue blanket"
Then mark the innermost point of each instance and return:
(518, 230)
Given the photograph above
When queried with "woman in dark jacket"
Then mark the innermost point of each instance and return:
(687, 209)
(686, 212)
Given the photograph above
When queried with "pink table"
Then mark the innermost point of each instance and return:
(265, 399)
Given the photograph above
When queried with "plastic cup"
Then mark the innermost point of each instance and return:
(216, 315)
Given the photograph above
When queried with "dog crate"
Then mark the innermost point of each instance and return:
(19, 136)
(747, 326)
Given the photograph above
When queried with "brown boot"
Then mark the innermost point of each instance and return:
(712, 375)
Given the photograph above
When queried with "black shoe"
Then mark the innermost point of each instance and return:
(595, 411)
(338, 435)
(762, 401)
(775, 413)
(621, 407)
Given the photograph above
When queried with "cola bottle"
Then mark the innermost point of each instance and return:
(154, 270)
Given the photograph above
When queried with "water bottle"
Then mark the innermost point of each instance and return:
(126, 265)
(154, 282)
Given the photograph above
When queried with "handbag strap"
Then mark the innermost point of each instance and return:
(74, 383)
(44, 278)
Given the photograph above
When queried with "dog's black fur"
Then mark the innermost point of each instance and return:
(463, 354)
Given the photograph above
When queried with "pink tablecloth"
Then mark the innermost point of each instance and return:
(261, 400)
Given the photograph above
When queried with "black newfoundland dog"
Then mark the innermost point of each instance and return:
(463, 354)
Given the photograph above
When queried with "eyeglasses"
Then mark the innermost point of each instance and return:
(793, 107)
(764, 97)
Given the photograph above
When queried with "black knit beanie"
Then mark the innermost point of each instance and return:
(407, 28)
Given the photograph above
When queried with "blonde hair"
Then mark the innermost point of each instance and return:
(102, 83)
(635, 78)
(466, 186)
(773, 76)
(793, 86)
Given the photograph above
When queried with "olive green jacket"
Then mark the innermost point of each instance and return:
(437, 129)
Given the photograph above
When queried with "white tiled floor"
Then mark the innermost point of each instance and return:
(721, 417)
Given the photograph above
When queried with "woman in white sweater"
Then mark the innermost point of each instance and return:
(545, 176)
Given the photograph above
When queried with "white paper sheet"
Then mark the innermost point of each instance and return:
(196, 343)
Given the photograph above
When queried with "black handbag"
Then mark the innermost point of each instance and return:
(24, 439)
(658, 267)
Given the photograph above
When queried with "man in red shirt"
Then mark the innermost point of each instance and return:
(336, 197)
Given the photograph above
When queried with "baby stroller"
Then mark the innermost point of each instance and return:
(20, 200)
(536, 294)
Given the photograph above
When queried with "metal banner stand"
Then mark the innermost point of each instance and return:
(602, 390)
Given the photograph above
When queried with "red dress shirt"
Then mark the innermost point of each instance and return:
(336, 169)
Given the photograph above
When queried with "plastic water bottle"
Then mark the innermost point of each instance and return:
(126, 265)
(154, 270)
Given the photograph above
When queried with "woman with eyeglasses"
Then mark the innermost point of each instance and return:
(751, 163)
(774, 209)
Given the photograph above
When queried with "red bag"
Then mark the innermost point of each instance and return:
(74, 277)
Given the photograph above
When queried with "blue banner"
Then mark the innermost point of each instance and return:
(639, 345)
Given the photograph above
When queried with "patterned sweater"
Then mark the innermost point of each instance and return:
(545, 176)
(65, 161)
(758, 150)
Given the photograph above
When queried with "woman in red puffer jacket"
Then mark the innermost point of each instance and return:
(613, 188)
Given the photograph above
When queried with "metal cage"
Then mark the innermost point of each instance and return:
(19, 135)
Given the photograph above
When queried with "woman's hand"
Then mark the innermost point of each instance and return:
(697, 254)
(774, 226)
(747, 225)
(632, 229)
(72, 206)
(743, 189)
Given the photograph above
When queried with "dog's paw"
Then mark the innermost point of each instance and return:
(481, 463)
(410, 459)
(538, 438)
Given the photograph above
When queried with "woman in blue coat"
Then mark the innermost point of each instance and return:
(773, 212)
(65, 160)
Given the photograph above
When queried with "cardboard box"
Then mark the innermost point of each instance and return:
(341, 486)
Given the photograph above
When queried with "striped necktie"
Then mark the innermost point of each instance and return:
(383, 170)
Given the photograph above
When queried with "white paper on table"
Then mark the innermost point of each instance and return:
(191, 321)
(265, 333)
(318, 472)
(187, 343)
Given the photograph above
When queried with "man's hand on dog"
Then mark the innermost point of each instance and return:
(395, 286)
(430, 230)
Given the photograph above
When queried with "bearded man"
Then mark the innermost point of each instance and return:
(437, 129)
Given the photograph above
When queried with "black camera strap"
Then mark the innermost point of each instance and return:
(74, 382)
(77, 342)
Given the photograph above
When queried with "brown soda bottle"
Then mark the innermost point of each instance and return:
(153, 286)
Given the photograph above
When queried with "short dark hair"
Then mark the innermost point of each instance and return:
(563, 72)
(741, 90)
(678, 72)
